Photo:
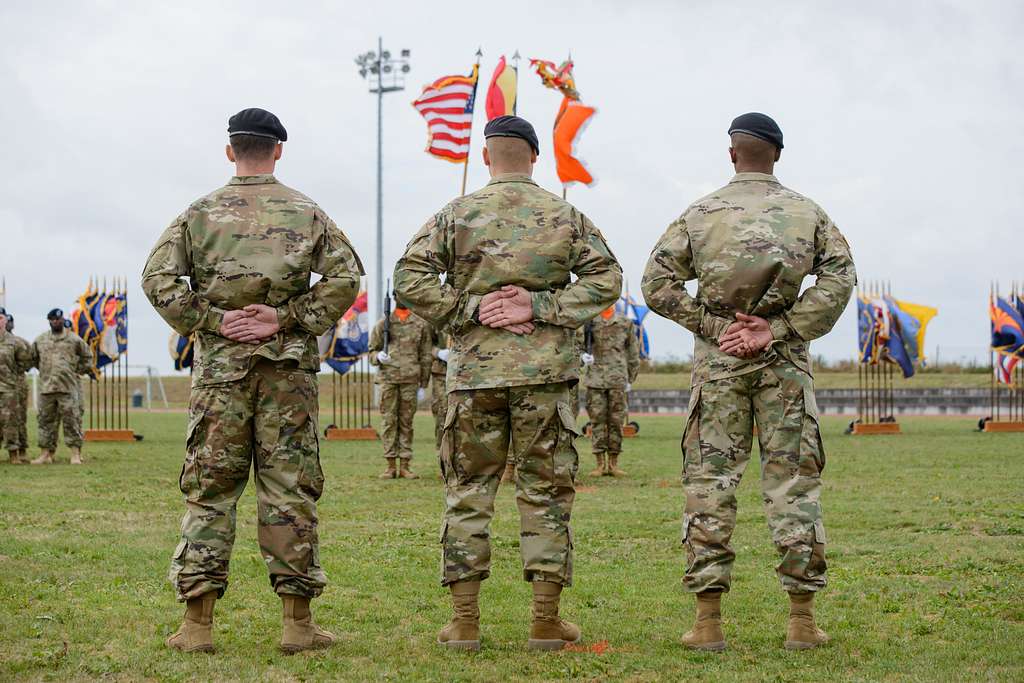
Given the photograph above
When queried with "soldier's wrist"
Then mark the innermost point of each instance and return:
(213, 320)
(285, 318)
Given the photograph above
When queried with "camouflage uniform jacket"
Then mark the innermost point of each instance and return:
(438, 340)
(409, 348)
(15, 360)
(254, 241)
(749, 245)
(616, 354)
(510, 232)
(61, 359)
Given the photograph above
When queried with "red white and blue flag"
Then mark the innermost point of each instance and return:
(342, 345)
(447, 105)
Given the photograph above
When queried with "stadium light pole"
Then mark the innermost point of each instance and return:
(383, 73)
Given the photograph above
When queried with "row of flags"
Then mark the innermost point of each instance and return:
(1007, 317)
(635, 313)
(893, 331)
(100, 317)
(448, 103)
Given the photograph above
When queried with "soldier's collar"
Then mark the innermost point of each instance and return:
(748, 176)
(263, 179)
(512, 178)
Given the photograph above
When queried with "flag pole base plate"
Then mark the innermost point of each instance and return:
(363, 434)
(991, 426)
(109, 435)
(877, 428)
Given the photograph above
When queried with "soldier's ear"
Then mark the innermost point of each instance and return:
(778, 153)
(278, 151)
(230, 153)
(732, 155)
(487, 157)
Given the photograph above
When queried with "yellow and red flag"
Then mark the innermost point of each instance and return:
(573, 117)
(501, 94)
(557, 77)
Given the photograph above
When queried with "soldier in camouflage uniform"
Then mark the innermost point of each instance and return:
(508, 301)
(611, 365)
(402, 371)
(749, 245)
(15, 360)
(248, 250)
(22, 399)
(439, 352)
(62, 357)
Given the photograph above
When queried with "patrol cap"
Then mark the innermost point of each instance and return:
(512, 127)
(54, 314)
(760, 126)
(258, 122)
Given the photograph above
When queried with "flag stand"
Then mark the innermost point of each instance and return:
(1006, 400)
(875, 397)
(352, 404)
(108, 391)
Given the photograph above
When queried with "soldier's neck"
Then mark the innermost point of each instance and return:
(767, 169)
(246, 168)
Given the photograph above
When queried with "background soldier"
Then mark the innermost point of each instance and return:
(508, 251)
(749, 245)
(438, 369)
(62, 357)
(15, 360)
(402, 370)
(611, 365)
(248, 249)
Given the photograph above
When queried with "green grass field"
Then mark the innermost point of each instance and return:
(926, 552)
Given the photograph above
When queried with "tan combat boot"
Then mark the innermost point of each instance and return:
(599, 470)
(300, 631)
(390, 472)
(196, 631)
(548, 631)
(802, 633)
(463, 631)
(706, 633)
(613, 467)
(76, 456)
(22, 458)
(45, 458)
(509, 473)
(404, 472)
(16, 458)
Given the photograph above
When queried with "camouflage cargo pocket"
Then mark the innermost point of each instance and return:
(188, 480)
(690, 441)
(812, 450)
(446, 454)
(566, 459)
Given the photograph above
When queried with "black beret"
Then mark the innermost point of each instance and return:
(761, 126)
(259, 122)
(3, 311)
(54, 314)
(512, 127)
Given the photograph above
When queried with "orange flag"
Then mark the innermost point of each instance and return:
(573, 117)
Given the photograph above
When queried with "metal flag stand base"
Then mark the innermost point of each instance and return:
(991, 426)
(876, 428)
(110, 435)
(351, 404)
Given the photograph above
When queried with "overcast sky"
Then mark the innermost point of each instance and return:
(902, 119)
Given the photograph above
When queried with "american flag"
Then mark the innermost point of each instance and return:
(447, 105)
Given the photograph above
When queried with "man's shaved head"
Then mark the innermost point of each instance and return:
(509, 155)
(752, 154)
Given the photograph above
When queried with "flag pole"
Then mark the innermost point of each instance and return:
(515, 68)
(469, 145)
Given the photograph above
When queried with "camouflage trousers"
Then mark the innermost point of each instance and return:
(438, 405)
(23, 414)
(574, 399)
(10, 420)
(534, 427)
(267, 419)
(606, 409)
(55, 409)
(716, 448)
(397, 410)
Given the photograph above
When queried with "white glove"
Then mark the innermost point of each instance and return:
(587, 358)
(442, 355)
(420, 395)
(383, 357)
(628, 387)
